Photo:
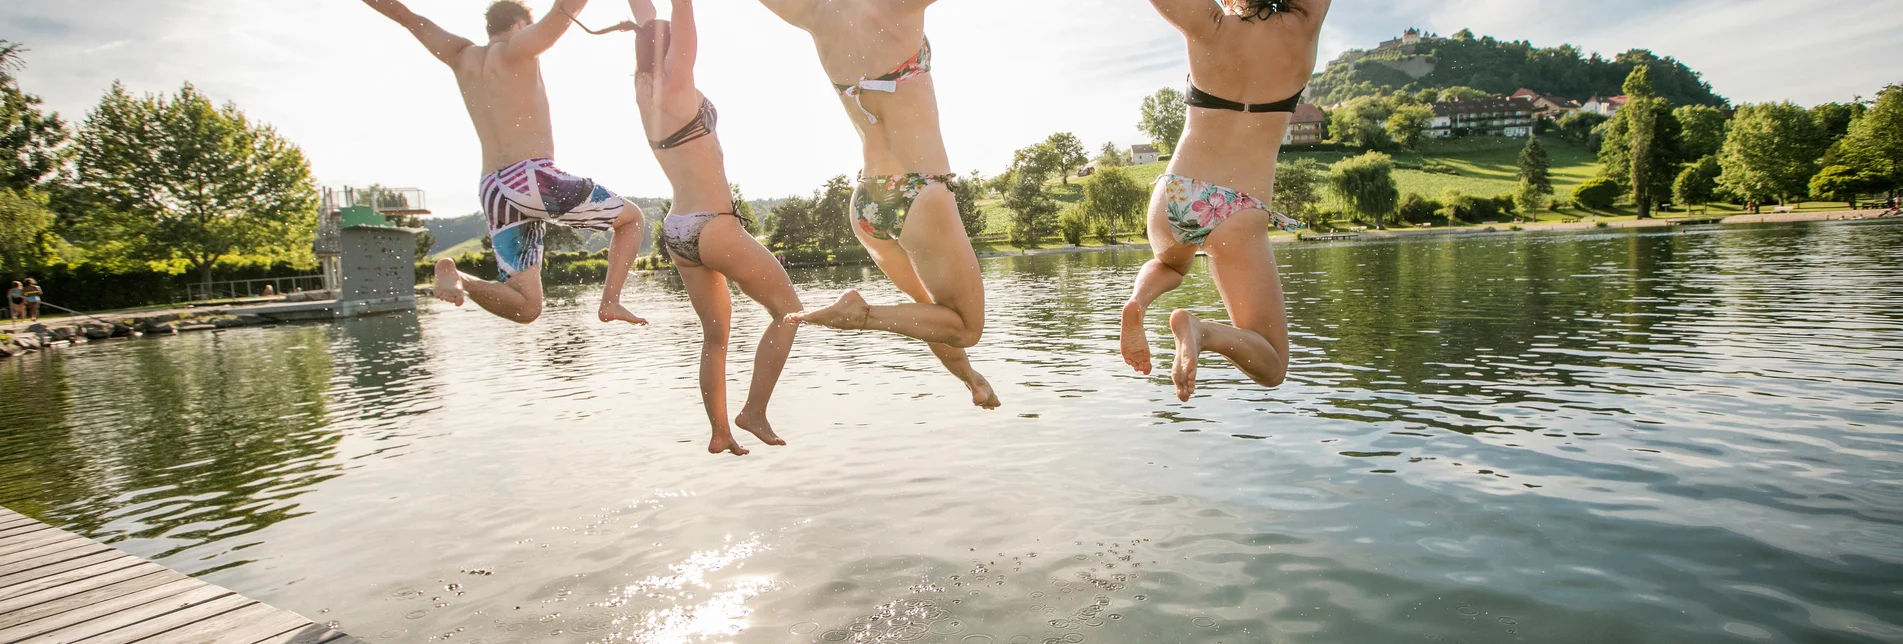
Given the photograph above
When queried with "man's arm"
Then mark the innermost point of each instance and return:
(443, 45)
(798, 13)
(534, 39)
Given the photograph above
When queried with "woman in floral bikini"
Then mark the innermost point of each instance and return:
(1214, 197)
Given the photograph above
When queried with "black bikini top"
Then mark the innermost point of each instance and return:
(1199, 98)
(702, 125)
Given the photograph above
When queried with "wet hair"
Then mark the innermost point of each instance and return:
(503, 14)
(1264, 9)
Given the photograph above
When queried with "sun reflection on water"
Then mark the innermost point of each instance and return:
(673, 616)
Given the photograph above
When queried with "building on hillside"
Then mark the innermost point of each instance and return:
(1551, 107)
(1308, 126)
(1511, 117)
(1604, 105)
(1143, 153)
(1407, 41)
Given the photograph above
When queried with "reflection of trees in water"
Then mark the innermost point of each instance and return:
(380, 371)
(38, 452)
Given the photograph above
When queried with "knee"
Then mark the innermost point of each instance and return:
(711, 336)
(967, 337)
(527, 314)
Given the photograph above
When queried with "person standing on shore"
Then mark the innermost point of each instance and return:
(902, 210)
(523, 192)
(32, 293)
(16, 302)
(1249, 63)
(707, 240)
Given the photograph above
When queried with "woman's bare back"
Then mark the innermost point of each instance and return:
(1248, 61)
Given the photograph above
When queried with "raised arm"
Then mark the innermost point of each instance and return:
(443, 45)
(684, 44)
(1192, 17)
(534, 39)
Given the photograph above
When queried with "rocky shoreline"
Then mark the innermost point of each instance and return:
(70, 331)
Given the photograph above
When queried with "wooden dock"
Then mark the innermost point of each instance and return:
(56, 587)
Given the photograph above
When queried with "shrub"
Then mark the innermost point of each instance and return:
(1072, 226)
(1596, 194)
(1435, 167)
(1417, 209)
(1468, 208)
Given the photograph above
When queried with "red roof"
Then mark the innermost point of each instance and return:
(1308, 113)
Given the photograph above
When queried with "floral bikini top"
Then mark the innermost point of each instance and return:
(889, 83)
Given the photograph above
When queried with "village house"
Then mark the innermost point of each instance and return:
(1604, 105)
(1550, 107)
(1308, 126)
(1512, 117)
(1143, 153)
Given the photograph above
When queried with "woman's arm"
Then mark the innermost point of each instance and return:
(798, 13)
(683, 46)
(1192, 17)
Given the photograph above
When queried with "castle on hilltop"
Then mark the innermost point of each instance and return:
(1405, 45)
(1408, 39)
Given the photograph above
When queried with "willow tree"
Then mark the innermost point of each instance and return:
(1365, 184)
(177, 178)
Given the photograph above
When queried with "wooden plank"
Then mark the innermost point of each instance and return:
(50, 555)
(21, 614)
(17, 532)
(75, 575)
(148, 620)
(25, 536)
(313, 634)
(48, 549)
(28, 576)
(67, 611)
(10, 524)
(243, 626)
(37, 539)
(87, 585)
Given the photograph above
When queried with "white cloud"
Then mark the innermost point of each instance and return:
(369, 105)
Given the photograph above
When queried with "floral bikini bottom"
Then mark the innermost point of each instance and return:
(1197, 207)
(880, 204)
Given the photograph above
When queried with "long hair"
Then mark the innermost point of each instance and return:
(1263, 9)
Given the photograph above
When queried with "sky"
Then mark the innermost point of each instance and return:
(369, 105)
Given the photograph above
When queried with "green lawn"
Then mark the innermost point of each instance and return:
(467, 246)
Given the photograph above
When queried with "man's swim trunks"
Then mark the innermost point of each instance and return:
(521, 199)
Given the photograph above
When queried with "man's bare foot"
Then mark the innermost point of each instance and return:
(612, 311)
(981, 393)
(849, 313)
(448, 286)
(761, 429)
(1136, 341)
(725, 443)
(1189, 345)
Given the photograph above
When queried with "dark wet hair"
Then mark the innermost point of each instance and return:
(1263, 9)
(503, 14)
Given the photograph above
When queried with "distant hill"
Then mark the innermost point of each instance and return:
(1426, 61)
(450, 231)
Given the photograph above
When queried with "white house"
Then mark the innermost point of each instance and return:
(1603, 105)
(1143, 153)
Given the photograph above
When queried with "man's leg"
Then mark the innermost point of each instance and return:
(622, 250)
(519, 299)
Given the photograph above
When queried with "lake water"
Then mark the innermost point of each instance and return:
(1610, 437)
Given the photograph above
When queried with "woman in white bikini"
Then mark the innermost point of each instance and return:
(902, 211)
(708, 242)
(1249, 62)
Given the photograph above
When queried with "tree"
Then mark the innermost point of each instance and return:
(1408, 125)
(1460, 93)
(1597, 193)
(814, 224)
(743, 209)
(1032, 210)
(1416, 209)
(1067, 154)
(1536, 167)
(1038, 160)
(1845, 184)
(1362, 123)
(1701, 130)
(1771, 152)
(1366, 185)
(1697, 184)
(967, 191)
(1111, 156)
(1578, 126)
(1072, 225)
(1164, 115)
(1640, 151)
(24, 220)
(177, 178)
(1112, 202)
(32, 142)
(1298, 188)
(1531, 197)
(1836, 118)
(1874, 143)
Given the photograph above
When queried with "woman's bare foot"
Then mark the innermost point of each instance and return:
(1136, 341)
(1189, 345)
(448, 286)
(612, 311)
(725, 443)
(981, 393)
(849, 313)
(761, 429)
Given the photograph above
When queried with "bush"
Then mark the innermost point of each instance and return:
(1468, 208)
(1416, 209)
(1596, 194)
(1072, 226)
(1434, 167)
(1504, 205)
(91, 287)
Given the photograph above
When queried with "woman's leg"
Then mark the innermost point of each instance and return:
(712, 302)
(1243, 264)
(726, 247)
(1162, 274)
(934, 245)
